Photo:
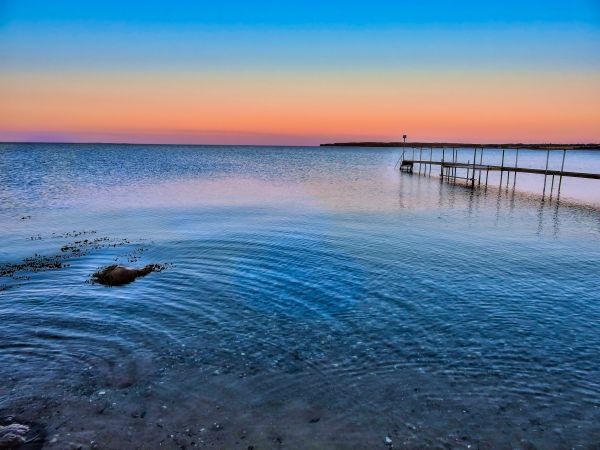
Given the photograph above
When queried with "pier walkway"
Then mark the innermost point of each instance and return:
(476, 171)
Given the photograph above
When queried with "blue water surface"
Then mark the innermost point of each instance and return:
(313, 298)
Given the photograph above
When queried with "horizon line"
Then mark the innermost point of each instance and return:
(327, 144)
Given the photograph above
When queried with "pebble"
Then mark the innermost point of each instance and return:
(388, 440)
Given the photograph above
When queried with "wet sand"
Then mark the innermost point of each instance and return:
(263, 411)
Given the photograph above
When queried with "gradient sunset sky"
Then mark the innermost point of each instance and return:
(299, 72)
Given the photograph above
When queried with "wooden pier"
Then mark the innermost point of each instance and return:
(477, 173)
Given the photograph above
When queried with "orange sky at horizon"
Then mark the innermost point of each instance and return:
(279, 107)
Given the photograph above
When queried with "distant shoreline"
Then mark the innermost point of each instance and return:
(146, 144)
(549, 146)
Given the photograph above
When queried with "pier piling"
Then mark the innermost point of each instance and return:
(516, 166)
(502, 170)
(562, 169)
(546, 173)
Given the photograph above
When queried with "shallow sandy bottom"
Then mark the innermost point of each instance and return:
(186, 408)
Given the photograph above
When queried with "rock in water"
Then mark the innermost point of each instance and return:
(116, 275)
(13, 436)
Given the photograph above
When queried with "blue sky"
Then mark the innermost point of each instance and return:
(302, 71)
(103, 35)
(306, 12)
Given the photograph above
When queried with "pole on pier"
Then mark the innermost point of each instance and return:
(454, 159)
(546, 173)
(468, 164)
(502, 168)
(403, 149)
(562, 168)
(487, 174)
(400, 159)
(420, 159)
(430, 159)
(473, 175)
(442, 165)
(480, 164)
(516, 166)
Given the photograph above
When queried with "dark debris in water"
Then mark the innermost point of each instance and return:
(77, 248)
(35, 263)
(136, 254)
(38, 263)
(74, 233)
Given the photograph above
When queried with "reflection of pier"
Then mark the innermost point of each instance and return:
(473, 171)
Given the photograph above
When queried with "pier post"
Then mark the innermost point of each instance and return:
(502, 169)
(468, 168)
(507, 178)
(430, 160)
(546, 173)
(474, 161)
(480, 164)
(442, 165)
(420, 159)
(562, 169)
(454, 159)
(516, 167)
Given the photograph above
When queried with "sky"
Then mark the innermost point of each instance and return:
(299, 72)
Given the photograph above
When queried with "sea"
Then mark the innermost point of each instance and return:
(311, 298)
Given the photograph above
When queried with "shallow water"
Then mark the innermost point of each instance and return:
(315, 298)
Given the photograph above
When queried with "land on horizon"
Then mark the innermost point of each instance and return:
(547, 146)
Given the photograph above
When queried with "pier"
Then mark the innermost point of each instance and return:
(475, 173)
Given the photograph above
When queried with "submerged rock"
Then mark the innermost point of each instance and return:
(116, 275)
(13, 435)
(17, 434)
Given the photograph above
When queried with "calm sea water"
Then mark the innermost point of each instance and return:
(314, 299)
